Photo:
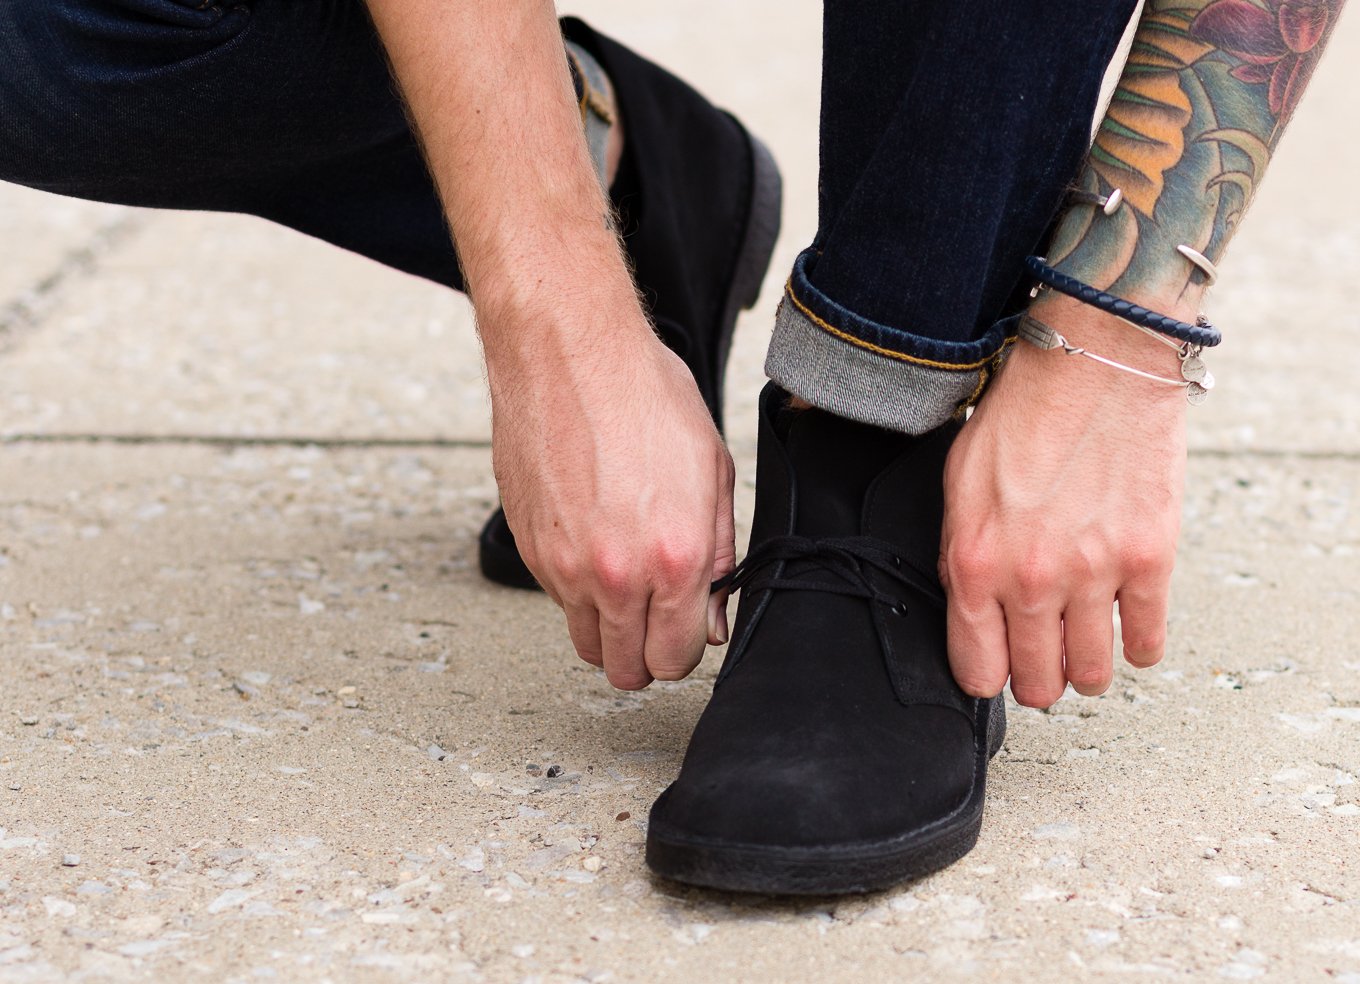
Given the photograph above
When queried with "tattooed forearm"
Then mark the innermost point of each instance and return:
(1199, 109)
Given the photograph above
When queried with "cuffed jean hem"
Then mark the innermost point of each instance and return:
(865, 371)
(595, 98)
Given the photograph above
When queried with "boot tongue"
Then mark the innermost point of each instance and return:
(834, 461)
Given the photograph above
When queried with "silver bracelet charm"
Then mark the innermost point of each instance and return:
(1195, 379)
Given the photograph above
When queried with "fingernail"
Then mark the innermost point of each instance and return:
(717, 619)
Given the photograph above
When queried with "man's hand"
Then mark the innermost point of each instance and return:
(1063, 497)
(619, 491)
(615, 481)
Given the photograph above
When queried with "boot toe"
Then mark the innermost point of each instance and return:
(822, 789)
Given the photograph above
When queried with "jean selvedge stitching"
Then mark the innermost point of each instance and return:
(880, 350)
(881, 339)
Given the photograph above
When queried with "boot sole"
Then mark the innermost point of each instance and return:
(497, 554)
(833, 869)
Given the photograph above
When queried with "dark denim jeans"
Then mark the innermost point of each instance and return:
(279, 108)
(949, 130)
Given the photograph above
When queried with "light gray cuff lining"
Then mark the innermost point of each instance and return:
(597, 112)
(859, 384)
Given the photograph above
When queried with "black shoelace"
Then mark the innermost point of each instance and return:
(849, 559)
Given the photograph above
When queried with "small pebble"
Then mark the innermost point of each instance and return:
(346, 691)
(70, 860)
(28, 720)
(436, 753)
(623, 816)
(554, 771)
(592, 862)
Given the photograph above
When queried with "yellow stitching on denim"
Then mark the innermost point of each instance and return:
(984, 374)
(579, 72)
(600, 103)
(599, 108)
(985, 377)
(878, 349)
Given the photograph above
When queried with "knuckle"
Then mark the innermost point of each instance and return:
(976, 684)
(1029, 695)
(612, 571)
(1146, 560)
(672, 670)
(1035, 580)
(969, 563)
(628, 679)
(1147, 653)
(677, 561)
(1146, 641)
(559, 565)
(592, 656)
(1089, 680)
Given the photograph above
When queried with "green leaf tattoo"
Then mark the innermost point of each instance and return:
(1198, 111)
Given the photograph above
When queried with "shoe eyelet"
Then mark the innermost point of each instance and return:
(899, 609)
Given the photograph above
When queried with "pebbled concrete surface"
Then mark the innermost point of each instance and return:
(260, 719)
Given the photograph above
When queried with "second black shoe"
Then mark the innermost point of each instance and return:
(698, 201)
(837, 754)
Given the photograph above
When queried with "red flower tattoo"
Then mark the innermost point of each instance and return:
(1278, 44)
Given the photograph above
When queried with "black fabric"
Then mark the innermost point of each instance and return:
(949, 133)
(682, 200)
(835, 719)
(683, 197)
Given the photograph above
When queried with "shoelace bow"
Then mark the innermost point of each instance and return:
(849, 558)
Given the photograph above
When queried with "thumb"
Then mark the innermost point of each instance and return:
(724, 552)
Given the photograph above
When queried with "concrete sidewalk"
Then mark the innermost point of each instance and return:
(261, 719)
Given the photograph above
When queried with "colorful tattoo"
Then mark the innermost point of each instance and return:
(1199, 109)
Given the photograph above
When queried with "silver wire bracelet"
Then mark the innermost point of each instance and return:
(1195, 379)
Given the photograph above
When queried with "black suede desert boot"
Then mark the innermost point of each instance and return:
(698, 202)
(837, 754)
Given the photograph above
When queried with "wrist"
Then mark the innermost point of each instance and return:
(581, 332)
(1112, 337)
(575, 301)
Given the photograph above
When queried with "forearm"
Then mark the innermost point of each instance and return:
(489, 90)
(1198, 112)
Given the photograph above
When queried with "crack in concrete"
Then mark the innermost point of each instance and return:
(1289, 454)
(303, 440)
(29, 308)
(263, 441)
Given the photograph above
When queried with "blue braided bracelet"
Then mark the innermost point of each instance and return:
(1202, 333)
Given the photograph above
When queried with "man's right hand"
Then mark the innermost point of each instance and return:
(618, 489)
(614, 479)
